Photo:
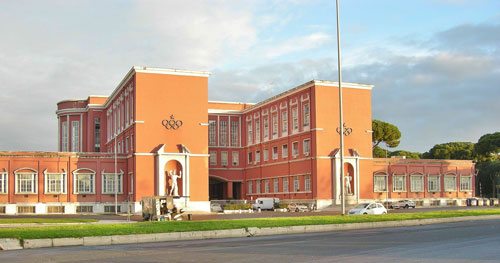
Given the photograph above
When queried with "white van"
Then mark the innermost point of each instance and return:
(265, 203)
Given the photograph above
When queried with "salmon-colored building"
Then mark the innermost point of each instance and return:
(157, 134)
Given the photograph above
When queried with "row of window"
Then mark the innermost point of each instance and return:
(56, 183)
(280, 115)
(123, 146)
(306, 150)
(235, 158)
(266, 187)
(399, 183)
(120, 114)
(234, 130)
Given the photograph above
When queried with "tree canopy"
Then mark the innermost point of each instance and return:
(451, 150)
(489, 176)
(386, 133)
(488, 145)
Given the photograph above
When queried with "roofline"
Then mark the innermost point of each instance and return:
(308, 85)
(230, 102)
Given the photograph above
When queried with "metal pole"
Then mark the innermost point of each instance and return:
(341, 113)
(116, 180)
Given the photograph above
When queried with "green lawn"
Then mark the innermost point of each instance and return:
(182, 226)
(44, 220)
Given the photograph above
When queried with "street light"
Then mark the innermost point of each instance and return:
(341, 117)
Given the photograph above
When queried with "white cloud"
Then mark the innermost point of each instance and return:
(298, 44)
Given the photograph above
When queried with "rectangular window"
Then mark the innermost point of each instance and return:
(284, 123)
(84, 183)
(211, 133)
(307, 147)
(266, 186)
(465, 183)
(131, 183)
(284, 150)
(75, 136)
(64, 136)
(295, 120)
(266, 155)
(213, 158)
(25, 183)
(3, 183)
(109, 182)
(450, 183)
(275, 185)
(131, 108)
(132, 143)
(399, 183)
(380, 183)
(305, 116)
(307, 183)
(127, 111)
(257, 156)
(257, 130)
(85, 209)
(434, 184)
(223, 158)
(266, 127)
(249, 132)
(235, 138)
(97, 134)
(250, 158)
(257, 186)
(295, 149)
(296, 184)
(275, 153)
(285, 184)
(417, 183)
(55, 183)
(250, 187)
(275, 125)
(236, 158)
(223, 133)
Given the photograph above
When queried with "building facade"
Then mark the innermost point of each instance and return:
(158, 129)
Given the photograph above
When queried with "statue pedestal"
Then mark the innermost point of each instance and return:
(350, 199)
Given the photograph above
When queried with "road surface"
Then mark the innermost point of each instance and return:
(472, 241)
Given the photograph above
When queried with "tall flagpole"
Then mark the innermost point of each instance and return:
(341, 114)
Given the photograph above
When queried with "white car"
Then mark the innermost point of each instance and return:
(368, 209)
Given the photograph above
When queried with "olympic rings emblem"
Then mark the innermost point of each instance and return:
(172, 123)
(347, 130)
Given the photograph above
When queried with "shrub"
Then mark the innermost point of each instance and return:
(237, 206)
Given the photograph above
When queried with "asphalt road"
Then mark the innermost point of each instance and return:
(473, 241)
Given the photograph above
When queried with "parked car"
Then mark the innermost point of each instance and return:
(295, 207)
(216, 207)
(368, 209)
(403, 204)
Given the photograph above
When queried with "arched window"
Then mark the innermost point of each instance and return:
(26, 181)
(84, 181)
(380, 182)
(417, 182)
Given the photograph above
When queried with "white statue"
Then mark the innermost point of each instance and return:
(174, 190)
(348, 180)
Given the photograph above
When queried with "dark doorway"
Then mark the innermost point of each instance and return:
(237, 190)
(217, 188)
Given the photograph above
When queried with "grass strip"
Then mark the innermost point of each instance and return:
(44, 220)
(183, 226)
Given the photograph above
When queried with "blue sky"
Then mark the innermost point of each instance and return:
(435, 64)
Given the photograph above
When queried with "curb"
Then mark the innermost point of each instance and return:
(13, 243)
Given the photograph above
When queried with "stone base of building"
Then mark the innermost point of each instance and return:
(92, 208)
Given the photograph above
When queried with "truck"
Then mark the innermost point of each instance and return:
(266, 203)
